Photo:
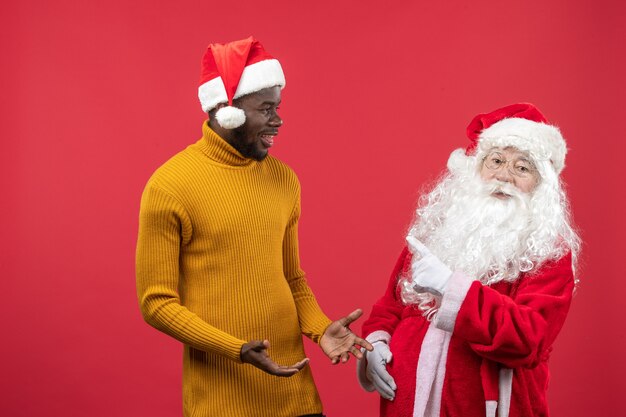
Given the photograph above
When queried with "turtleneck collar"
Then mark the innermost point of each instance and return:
(220, 151)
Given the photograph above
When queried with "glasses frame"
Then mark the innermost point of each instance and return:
(510, 165)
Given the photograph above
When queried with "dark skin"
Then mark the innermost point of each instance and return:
(252, 140)
(338, 342)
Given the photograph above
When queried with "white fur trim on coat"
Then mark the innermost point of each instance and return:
(378, 336)
(255, 77)
(431, 373)
(452, 300)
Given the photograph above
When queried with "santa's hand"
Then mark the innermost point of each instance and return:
(428, 272)
(376, 371)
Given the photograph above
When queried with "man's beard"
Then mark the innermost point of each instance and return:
(245, 148)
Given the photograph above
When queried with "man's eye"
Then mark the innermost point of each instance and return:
(496, 161)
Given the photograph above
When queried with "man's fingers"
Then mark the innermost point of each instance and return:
(255, 353)
(345, 321)
(286, 371)
(260, 345)
(363, 343)
(345, 356)
(301, 364)
(291, 370)
(253, 349)
(356, 352)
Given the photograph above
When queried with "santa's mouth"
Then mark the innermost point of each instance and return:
(501, 195)
(267, 139)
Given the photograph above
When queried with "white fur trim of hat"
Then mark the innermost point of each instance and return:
(255, 77)
(542, 141)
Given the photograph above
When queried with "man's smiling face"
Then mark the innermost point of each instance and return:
(256, 135)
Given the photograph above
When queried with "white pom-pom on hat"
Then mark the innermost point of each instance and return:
(230, 117)
(459, 162)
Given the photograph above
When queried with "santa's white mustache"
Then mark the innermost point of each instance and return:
(495, 186)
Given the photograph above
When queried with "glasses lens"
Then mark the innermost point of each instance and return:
(494, 161)
(523, 169)
(520, 168)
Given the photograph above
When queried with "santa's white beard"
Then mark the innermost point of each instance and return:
(476, 232)
(490, 239)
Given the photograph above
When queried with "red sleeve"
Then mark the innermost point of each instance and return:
(517, 330)
(387, 311)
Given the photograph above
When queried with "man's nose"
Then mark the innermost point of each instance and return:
(276, 121)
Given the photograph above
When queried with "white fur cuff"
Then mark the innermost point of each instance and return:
(378, 336)
(458, 286)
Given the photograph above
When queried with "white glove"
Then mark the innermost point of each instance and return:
(376, 371)
(428, 272)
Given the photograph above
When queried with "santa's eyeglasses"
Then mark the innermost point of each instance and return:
(520, 167)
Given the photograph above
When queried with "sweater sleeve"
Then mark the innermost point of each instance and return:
(165, 227)
(313, 322)
(517, 330)
(387, 311)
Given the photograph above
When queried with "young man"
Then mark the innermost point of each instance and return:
(483, 287)
(217, 254)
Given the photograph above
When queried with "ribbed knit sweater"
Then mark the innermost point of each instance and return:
(217, 266)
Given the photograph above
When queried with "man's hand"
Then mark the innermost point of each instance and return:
(255, 353)
(427, 271)
(338, 341)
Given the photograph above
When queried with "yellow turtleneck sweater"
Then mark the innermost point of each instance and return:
(217, 266)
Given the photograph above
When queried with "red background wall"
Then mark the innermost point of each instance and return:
(97, 94)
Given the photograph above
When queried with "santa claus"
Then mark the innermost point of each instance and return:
(485, 282)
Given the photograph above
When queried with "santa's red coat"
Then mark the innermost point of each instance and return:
(491, 332)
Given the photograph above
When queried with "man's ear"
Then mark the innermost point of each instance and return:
(212, 112)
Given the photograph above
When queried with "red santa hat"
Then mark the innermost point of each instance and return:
(520, 125)
(233, 70)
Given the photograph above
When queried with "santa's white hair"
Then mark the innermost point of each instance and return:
(487, 238)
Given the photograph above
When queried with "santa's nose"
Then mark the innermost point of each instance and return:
(504, 175)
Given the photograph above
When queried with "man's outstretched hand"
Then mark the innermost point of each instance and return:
(338, 341)
(255, 353)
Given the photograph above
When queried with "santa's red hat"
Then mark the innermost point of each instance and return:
(233, 70)
(520, 125)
